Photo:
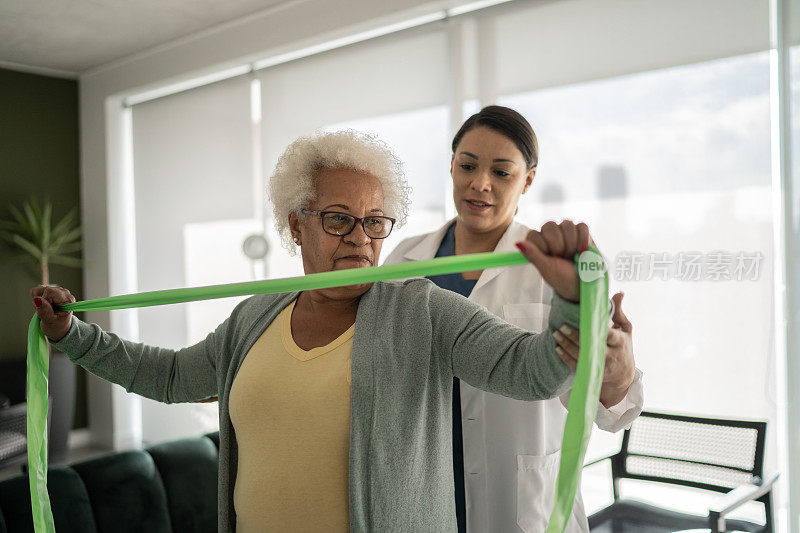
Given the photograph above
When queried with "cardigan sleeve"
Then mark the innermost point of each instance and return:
(498, 357)
(162, 374)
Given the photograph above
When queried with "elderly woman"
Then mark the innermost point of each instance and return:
(335, 403)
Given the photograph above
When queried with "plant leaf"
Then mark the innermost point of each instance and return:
(21, 220)
(8, 225)
(34, 203)
(66, 248)
(64, 224)
(46, 214)
(65, 260)
(32, 222)
(68, 237)
(27, 246)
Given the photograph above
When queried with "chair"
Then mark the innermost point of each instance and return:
(13, 433)
(724, 456)
(13, 440)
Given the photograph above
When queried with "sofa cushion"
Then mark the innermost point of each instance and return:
(69, 502)
(188, 469)
(126, 493)
(214, 437)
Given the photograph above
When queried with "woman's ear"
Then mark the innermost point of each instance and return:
(529, 180)
(452, 162)
(294, 227)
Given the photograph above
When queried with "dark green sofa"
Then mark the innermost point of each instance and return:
(169, 487)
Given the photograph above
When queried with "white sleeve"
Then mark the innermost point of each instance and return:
(620, 416)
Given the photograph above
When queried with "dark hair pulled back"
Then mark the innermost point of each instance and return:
(508, 122)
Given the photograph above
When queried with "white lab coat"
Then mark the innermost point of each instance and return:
(512, 447)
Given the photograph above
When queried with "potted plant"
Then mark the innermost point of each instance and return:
(38, 237)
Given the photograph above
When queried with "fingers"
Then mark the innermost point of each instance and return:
(570, 236)
(46, 296)
(37, 291)
(568, 342)
(554, 237)
(569, 338)
(551, 251)
(567, 345)
(615, 338)
(619, 319)
(537, 252)
(44, 309)
(536, 238)
(557, 272)
(584, 239)
(568, 360)
(57, 296)
(54, 324)
(564, 239)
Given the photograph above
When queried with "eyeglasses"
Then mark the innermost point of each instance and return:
(341, 224)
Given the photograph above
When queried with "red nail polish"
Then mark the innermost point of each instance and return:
(583, 248)
(37, 302)
(521, 247)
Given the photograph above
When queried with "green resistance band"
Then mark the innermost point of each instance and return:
(36, 426)
(38, 354)
(585, 394)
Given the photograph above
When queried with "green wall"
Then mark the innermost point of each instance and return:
(39, 155)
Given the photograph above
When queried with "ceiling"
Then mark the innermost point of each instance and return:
(73, 36)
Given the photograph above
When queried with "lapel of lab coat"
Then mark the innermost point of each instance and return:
(428, 246)
(514, 233)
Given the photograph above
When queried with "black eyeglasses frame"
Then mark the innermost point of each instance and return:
(357, 220)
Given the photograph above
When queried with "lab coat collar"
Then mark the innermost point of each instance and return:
(427, 247)
(516, 232)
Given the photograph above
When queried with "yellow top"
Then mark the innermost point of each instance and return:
(290, 409)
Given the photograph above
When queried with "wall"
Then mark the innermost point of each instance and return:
(39, 155)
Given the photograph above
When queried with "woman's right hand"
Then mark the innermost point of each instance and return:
(551, 251)
(55, 325)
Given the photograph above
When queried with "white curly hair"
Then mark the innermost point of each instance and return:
(291, 187)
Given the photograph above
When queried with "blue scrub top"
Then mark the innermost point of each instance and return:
(452, 282)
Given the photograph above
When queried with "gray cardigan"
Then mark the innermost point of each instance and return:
(410, 339)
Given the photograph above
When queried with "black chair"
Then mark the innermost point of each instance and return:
(725, 456)
(13, 440)
(13, 433)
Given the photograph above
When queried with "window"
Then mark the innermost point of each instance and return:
(427, 164)
(394, 87)
(193, 184)
(675, 161)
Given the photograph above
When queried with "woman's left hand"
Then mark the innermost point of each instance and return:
(620, 366)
